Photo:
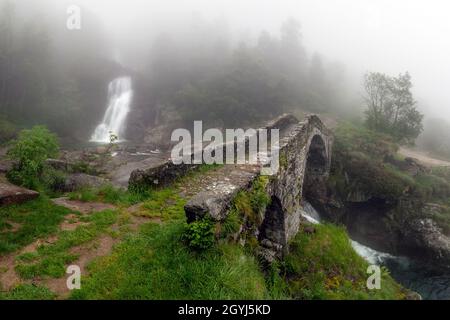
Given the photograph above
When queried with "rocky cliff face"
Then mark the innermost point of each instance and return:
(400, 226)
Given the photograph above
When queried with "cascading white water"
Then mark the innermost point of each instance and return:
(120, 94)
(415, 276)
(369, 254)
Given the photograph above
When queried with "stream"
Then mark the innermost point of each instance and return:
(415, 276)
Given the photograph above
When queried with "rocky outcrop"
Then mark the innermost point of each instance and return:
(79, 181)
(428, 238)
(216, 201)
(61, 165)
(402, 226)
(410, 165)
(161, 174)
(11, 194)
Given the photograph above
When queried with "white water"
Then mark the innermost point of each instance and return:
(114, 120)
(417, 277)
(370, 255)
(310, 214)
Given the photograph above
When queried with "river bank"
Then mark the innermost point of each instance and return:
(418, 277)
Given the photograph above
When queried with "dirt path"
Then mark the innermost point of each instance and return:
(103, 244)
(423, 157)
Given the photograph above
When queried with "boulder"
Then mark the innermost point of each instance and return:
(78, 181)
(160, 174)
(61, 165)
(11, 194)
(217, 199)
(430, 240)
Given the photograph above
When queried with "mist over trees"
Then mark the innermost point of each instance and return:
(435, 137)
(391, 107)
(47, 77)
(50, 75)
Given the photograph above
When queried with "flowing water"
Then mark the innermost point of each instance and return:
(429, 283)
(120, 94)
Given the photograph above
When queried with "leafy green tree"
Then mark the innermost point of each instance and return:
(29, 152)
(391, 107)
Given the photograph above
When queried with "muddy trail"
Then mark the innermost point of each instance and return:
(129, 219)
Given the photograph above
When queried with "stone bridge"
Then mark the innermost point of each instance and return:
(304, 157)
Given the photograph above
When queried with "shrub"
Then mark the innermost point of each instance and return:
(52, 179)
(199, 235)
(29, 152)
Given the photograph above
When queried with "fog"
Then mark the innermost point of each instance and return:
(365, 35)
(349, 37)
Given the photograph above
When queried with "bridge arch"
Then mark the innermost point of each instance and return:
(304, 162)
(317, 166)
(272, 231)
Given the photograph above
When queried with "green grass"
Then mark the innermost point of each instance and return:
(38, 218)
(357, 138)
(28, 292)
(323, 265)
(359, 165)
(107, 194)
(51, 260)
(165, 203)
(155, 264)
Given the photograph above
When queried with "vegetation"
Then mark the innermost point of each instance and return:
(199, 235)
(391, 106)
(50, 260)
(365, 162)
(44, 81)
(323, 265)
(155, 263)
(29, 153)
(28, 292)
(36, 219)
(108, 194)
(359, 154)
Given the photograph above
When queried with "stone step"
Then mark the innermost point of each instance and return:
(216, 198)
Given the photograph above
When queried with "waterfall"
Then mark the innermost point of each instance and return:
(119, 100)
(370, 255)
(309, 213)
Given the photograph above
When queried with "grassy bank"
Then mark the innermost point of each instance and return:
(367, 163)
(156, 262)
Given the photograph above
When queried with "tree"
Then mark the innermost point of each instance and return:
(29, 153)
(391, 107)
(292, 51)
